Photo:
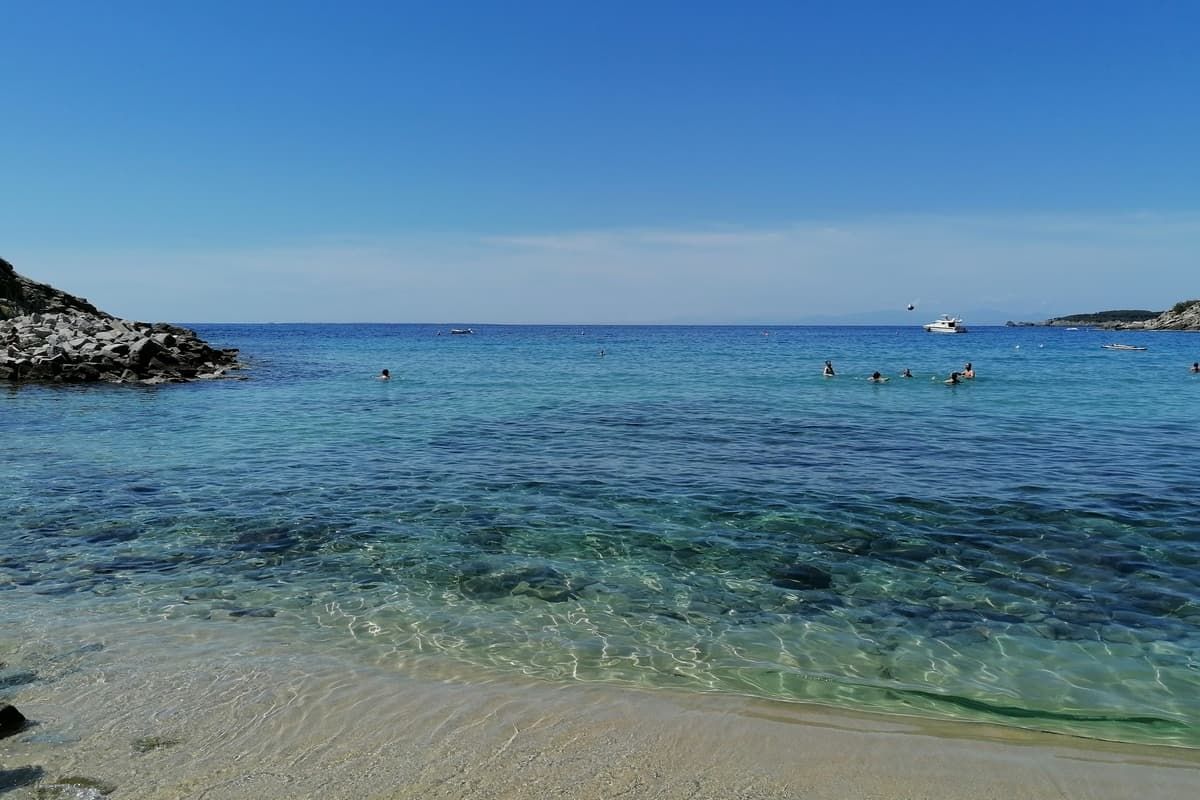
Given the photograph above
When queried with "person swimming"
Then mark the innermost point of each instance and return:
(385, 375)
(877, 378)
(828, 371)
(1196, 366)
(907, 373)
(968, 371)
(953, 379)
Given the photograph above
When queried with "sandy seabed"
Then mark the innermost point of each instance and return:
(190, 711)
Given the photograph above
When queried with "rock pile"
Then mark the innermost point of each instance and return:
(47, 335)
(75, 347)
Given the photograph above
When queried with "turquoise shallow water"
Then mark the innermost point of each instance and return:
(697, 509)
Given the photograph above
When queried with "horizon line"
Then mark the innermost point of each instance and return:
(1025, 323)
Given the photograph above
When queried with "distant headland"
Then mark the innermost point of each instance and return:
(1183, 316)
(50, 336)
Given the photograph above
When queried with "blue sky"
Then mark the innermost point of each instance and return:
(602, 162)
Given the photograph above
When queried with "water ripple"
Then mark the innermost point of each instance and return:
(692, 511)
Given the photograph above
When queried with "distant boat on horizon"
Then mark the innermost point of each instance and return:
(945, 324)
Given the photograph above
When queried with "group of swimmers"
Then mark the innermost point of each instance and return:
(967, 373)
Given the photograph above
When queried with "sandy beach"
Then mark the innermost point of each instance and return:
(206, 712)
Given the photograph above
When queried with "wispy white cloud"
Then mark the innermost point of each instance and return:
(625, 239)
(782, 273)
(568, 242)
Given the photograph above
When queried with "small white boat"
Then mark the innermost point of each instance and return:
(945, 324)
(461, 331)
(1121, 347)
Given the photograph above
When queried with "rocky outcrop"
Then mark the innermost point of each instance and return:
(1184, 316)
(49, 336)
(20, 296)
(74, 347)
(1104, 319)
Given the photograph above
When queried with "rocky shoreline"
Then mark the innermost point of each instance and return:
(49, 336)
(1183, 316)
(78, 348)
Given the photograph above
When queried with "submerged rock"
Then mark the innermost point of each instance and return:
(802, 577)
(542, 582)
(77, 787)
(9, 678)
(146, 744)
(21, 776)
(261, 612)
(11, 721)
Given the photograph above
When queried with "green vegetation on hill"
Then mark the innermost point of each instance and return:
(1183, 305)
(1122, 315)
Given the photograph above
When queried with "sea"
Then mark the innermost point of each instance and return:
(687, 508)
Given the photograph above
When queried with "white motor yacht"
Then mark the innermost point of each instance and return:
(946, 324)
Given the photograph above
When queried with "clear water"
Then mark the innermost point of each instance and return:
(1021, 549)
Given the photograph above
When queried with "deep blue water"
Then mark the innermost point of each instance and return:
(696, 509)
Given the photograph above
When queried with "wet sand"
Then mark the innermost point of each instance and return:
(190, 712)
